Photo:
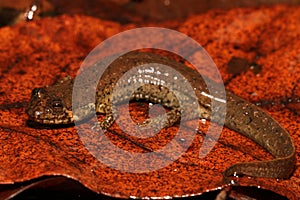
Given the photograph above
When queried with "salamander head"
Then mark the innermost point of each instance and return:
(52, 104)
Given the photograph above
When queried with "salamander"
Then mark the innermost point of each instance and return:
(53, 105)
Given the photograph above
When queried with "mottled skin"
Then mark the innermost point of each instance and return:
(53, 105)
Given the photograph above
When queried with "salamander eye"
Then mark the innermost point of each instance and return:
(57, 104)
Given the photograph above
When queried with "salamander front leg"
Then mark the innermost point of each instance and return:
(106, 123)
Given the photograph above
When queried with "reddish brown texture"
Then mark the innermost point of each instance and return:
(39, 53)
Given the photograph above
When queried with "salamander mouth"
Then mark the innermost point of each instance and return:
(53, 121)
(47, 116)
(50, 121)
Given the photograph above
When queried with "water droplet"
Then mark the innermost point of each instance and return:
(203, 121)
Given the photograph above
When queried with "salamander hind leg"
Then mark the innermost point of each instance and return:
(161, 121)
